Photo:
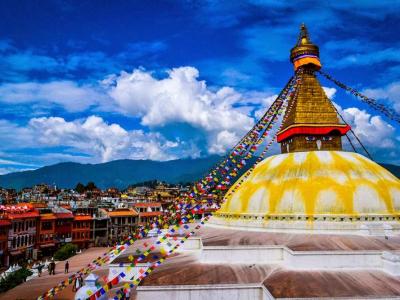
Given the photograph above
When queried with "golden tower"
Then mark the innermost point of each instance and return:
(312, 123)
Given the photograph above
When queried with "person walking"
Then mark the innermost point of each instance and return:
(40, 268)
(52, 268)
(66, 269)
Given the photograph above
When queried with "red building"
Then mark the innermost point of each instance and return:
(82, 230)
(4, 228)
(63, 229)
(45, 238)
(22, 234)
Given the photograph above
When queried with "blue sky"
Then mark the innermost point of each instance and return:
(95, 81)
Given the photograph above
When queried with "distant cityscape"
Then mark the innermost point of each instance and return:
(38, 220)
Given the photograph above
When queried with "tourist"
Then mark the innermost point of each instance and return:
(40, 268)
(66, 267)
(53, 268)
(75, 284)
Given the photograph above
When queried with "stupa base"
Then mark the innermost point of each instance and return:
(377, 225)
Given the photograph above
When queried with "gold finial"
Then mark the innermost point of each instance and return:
(305, 52)
(304, 38)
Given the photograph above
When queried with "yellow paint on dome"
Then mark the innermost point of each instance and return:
(316, 183)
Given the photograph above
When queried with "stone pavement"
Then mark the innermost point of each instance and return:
(35, 287)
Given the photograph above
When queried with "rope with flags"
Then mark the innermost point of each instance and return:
(136, 281)
(387, 111)
(185, 210)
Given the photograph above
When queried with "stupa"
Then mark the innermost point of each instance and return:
(313, 185)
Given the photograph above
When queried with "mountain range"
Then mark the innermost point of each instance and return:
(119, 173)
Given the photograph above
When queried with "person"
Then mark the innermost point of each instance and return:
(53, 268)
(40, 268)
(76, 284)
(80, 280)
(66, 267)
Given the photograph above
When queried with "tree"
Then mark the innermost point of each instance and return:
(80, 188)
(91, 186)
(13, 279)
(65, 252)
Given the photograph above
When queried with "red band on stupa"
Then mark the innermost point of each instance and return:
(311, 130)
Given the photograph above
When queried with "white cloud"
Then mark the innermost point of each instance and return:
(266, 102)
(93, 138)
(330, 92)
(180, 98)
(372, 130)
(105, 141)
(68, 94)
(390, 92)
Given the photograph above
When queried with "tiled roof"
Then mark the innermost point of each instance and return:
(122, 213)
(30, 214)
(82, 218)
(47, 217)
(150, 214)
(148, 204)
(64, 215)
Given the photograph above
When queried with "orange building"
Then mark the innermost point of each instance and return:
(82, 230)
(46, 235)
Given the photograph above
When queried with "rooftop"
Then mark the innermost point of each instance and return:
(123, 213)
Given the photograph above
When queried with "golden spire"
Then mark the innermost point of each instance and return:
(312, 122)
(303, 39)
(305, 52)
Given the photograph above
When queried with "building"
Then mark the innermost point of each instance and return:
(101, 224)
(148, 211)
(82, 230)
(22, 234)
(4, 228)
(63, 229)
(46, 233)
(122, 222)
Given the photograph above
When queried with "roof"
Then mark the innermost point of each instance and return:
(150, 214)
(147, 204)
(38, 205)
(122, 213)
(64, 215)
(31, 214)
(82, 218)
(47, 217)
(359, 284)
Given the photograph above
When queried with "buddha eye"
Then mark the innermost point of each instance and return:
(310, 138)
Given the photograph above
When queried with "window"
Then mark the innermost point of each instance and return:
(47, 226)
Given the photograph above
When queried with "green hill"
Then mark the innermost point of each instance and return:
(120, 173)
